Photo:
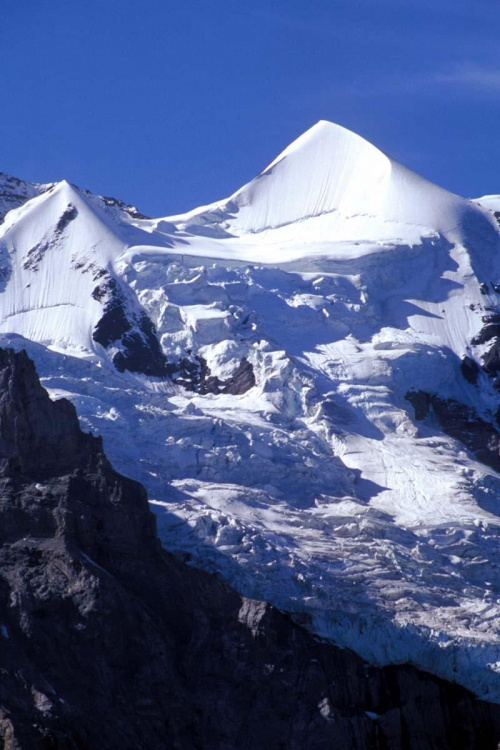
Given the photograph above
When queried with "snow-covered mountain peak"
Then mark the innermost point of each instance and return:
(327, 169)
(324, 142)
(333, 184)
(304, 375)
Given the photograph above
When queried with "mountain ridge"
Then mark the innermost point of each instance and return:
(312, 484)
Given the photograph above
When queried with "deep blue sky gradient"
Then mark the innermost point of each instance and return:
(170, 104)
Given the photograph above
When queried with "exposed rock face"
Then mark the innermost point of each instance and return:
(15, 192)
(129, 330)
(462, 423)
(115, 202)
(196, 376)
(470, 370)
(490, 333)
(130, 337)
(126, 330)
(106, 641)
(36, 253)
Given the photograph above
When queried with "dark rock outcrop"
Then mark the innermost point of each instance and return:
(470, 370)
(462, 423)
(126, 328)
(241, 381)
(15, 192)
(124, 325)
(35, 255)
(106, 641)
(490, 333)
(117, 203)
(196, 376)
(491, 360)
(421, 402)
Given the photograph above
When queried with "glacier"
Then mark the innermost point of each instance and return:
(338, 282)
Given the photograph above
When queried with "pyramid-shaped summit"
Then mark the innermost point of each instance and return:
(335, 176)
(331, 170)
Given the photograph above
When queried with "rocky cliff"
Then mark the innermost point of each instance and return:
(107, 641)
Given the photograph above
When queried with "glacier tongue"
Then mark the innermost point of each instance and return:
(337, 282)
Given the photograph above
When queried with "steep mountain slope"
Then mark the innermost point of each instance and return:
(304, 376)
(107, 641)
(331, 174)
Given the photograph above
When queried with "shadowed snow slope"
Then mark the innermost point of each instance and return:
(285, 326)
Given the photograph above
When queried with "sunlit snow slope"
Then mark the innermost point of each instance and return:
(304, 376)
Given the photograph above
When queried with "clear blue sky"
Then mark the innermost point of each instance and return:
(170, 104)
